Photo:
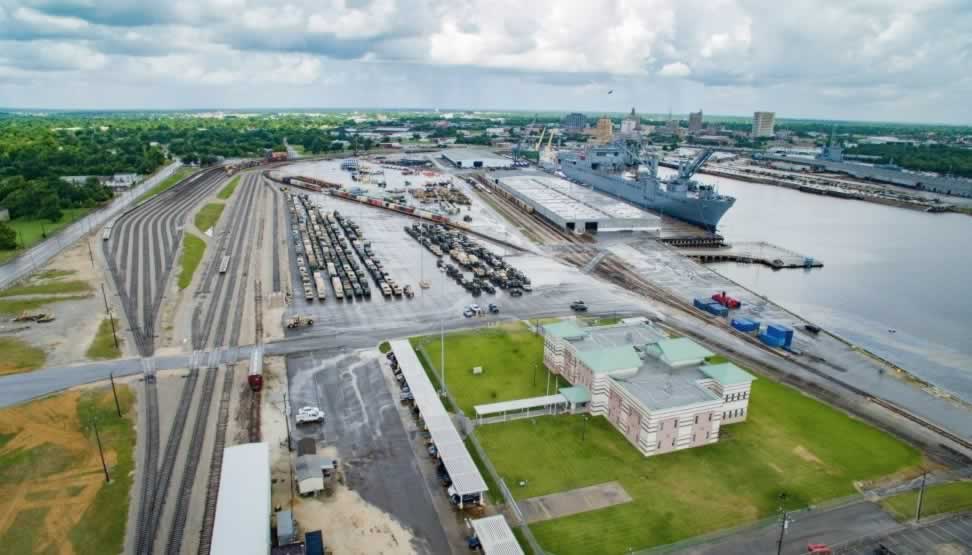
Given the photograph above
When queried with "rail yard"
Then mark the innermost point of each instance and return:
(296, 266)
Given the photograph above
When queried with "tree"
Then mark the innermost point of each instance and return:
(50, 210)
(8, 237)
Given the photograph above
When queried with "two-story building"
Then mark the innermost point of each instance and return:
(659, 392)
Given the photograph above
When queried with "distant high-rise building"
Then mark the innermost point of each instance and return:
(763, 123)
(574, 122)
(695, 122)
(604, 132)
(631, 124)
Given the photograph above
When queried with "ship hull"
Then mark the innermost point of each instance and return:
(704, 213)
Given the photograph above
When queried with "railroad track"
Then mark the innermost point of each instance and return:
(150, 464)
(141, 251)
(216, 463)
(276, 240)
(184, 493)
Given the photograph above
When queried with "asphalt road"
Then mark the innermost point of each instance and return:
(362, 422)
(41, 253)
(828, 527)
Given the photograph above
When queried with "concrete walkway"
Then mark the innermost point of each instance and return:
(581, 500)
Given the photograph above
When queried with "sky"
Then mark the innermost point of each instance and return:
(876, 60)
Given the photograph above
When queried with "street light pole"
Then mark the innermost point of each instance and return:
(111, 376)
(442, 386)
(921, 497)
(779, 542)
(111, 319)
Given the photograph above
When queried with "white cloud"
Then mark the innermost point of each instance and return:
(34, 17)
(675, 69)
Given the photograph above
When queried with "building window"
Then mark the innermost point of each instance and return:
(710, 417)
(673, 442)
(696, 419)
(659, 445)
(675, 423)
(706, 435)
(742, 412)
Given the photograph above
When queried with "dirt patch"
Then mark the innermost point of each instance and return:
(806, 455)
(352, 525)
(776, 468)
(48, 428)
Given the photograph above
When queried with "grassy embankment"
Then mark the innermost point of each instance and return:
(31, 232)
(193, 249)
(51, 482)
(939, 499)
(16, 355)
(208, 215)
(103, 345)
(791, 443)
(226, 192)
(166, 184)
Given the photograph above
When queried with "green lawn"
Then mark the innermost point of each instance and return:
(31, 232)
(227, 191)
(166, 183)
(13, 307)
(511, 357)
(54, 287)
(208, 215)
(103, 345)
(943, 498)
(193, 249)
(791, 443)
(17, 355)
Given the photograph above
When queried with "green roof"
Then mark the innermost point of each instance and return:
(610, 359)
(727, 373)
(565, 329)
(680, 350)
(576, 394)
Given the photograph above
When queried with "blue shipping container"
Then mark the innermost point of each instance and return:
(314, 543)
(717, 309)
(771, 340)
(702, 303)
(744, 325)
(782, 332)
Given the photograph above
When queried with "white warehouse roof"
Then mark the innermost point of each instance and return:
(476, 158)
(242, 525)
(495, 536)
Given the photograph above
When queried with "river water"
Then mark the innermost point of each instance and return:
(885, 269)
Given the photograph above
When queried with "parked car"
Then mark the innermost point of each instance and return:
(516, 292)
(578, 306)
(307, 415)
(493, 309)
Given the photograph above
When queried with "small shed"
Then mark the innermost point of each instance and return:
(314, 543)
(495, 536)
(310, 478)
(286, 533)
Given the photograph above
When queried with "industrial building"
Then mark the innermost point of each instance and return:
(574, 122)
(695, 122)
(573, 207)
(242, 524)
(604, 132)
(474, 158)
(659, 392)
(763, 124)
(631, 125)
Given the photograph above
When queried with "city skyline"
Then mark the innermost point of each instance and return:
(862, 62)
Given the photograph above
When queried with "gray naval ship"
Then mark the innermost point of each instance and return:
(616, 169)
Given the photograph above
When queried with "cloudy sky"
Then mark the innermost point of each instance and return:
(852, 59)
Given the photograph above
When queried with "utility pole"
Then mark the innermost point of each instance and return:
(101, 452)
(90, 254)
(111, 319)
(111, 376)
(921, 497)
(779, 542)
(442, 386)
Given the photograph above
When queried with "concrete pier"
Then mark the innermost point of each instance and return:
(758, 252)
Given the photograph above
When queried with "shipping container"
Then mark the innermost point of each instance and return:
(701, 304)
(771, 340)
(784, 333)
(717, 309)
(744, 325)
(314, 543)
(338, 288)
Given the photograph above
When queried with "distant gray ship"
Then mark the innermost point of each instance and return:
(615, 169)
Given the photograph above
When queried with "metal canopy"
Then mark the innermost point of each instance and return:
(519, 404)
(466, 478)
(495, 536)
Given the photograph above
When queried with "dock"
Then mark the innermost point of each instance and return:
(758, 252)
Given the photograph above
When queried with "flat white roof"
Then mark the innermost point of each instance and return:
(242, 525)
(496, 536)
(466, 157)
(519, 404)
(572, 202)
(466, 478)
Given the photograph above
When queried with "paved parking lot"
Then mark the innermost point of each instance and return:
(951, 536)
(364, 427)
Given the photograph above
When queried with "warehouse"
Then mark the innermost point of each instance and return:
(242, 525)
(575, 208)
(659, 392)
(473, 158)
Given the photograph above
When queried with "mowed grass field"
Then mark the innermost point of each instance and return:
(31, 232)
(193, 249)
(53, 495)
(16, 355)
(791, 443)
(166, 183)
(227, 191)
(939, 499)
(511, 357)
(103, 345)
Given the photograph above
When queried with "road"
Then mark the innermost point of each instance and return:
(41, 253)
(142, 247)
